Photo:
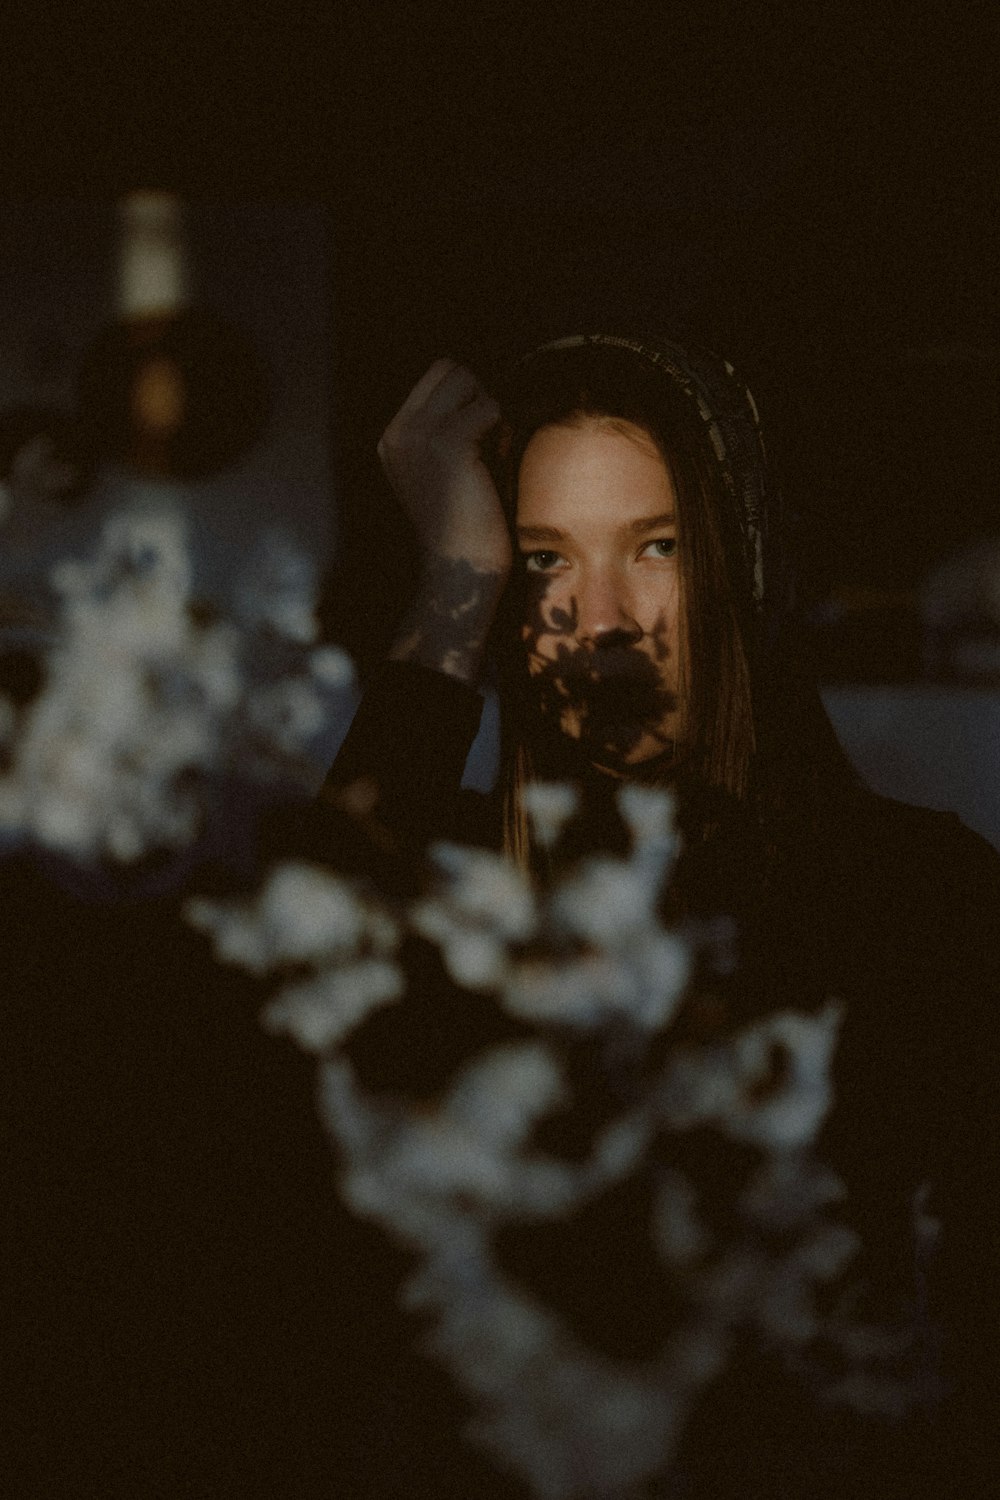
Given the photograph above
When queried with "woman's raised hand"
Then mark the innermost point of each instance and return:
(431, 456)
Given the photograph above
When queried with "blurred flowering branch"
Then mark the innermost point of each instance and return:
(581, 959)
(149, 700)
(600, 1076)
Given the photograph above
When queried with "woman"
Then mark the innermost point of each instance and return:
(607, 540)
(664, 653)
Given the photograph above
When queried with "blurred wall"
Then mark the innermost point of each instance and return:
(935, 745)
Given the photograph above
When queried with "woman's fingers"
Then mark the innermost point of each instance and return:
(441, 392)
(431, 456)
(456, 388)
(447, 409)
(423, 388)
(477, 417)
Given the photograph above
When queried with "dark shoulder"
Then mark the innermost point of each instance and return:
(924, 890)
(907, 897)
(925, 826)
(923, 847)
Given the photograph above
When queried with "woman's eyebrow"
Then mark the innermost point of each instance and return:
(540, 534)
(651, 523)
(631, 528)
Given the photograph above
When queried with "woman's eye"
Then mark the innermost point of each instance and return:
(540, 562)
(664, 546)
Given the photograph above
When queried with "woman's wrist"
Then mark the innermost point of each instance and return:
(448, 623)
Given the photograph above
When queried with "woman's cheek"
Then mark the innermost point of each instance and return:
(548, 613)
(659, 594)
(538, 648)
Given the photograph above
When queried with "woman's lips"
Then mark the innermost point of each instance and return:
(603, 699)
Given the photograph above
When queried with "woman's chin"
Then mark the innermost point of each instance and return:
(625, 748)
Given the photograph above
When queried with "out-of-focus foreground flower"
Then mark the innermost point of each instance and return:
(149, 700)
(590, 1080)
(582, 961)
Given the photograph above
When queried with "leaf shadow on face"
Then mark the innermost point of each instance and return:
(612, 692)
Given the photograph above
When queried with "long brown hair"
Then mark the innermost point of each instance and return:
(563, 387)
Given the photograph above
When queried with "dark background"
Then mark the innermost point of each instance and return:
(810, 188)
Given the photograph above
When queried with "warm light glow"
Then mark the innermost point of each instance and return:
(158, 398)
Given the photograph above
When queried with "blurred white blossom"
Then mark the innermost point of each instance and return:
(316, 921)
(486, 887)
(332, 667)
(583, 954)
(802, 1046)
(146, 699)
(481, 905)
(276, 590)
(609, 953)
(147, 702)
(549, 805)
(302, 914)
(728, 1084)
(679, 1229)
(323, 1010)
(649, 814)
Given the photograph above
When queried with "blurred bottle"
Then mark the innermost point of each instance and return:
(169, 390)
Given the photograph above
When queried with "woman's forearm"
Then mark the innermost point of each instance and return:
(448, 623)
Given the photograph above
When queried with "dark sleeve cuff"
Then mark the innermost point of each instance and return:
(409, 740)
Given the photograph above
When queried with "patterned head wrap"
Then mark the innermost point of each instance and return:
(728, 412)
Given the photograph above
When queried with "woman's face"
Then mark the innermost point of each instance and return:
(597, 529)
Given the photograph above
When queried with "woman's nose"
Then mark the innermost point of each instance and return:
(605, 611)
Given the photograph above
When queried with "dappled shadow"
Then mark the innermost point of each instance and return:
(610, 693)
(447, 626)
